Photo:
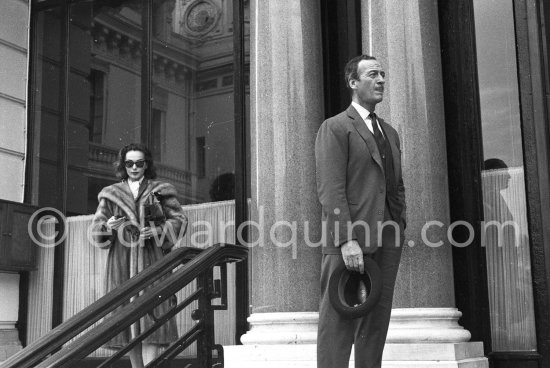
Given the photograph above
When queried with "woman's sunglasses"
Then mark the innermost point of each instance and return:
(129, 163)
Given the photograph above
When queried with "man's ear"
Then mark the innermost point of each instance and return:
(352, 83)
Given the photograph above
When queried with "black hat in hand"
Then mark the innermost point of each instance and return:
(352, 294)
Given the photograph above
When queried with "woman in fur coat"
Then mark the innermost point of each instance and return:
(120, 226)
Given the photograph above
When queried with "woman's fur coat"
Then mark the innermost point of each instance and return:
(128, 255)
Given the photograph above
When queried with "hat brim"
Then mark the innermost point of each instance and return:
(337, 284)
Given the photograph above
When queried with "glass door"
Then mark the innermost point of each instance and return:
(109, 73)
(504, 231)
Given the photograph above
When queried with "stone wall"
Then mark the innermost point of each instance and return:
(14, 30)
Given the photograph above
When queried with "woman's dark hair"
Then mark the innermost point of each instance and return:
(120, 169)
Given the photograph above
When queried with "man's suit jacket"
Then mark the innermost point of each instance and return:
(351, 182)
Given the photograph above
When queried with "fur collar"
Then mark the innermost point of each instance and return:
(121, 195)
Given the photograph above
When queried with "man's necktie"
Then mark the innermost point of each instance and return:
(377, 133)
(392, 201)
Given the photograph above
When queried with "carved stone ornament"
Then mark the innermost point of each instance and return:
(201, 17)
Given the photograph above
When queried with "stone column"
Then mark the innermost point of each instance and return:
(404, 36)
(286, 105)
(286, 112)
(14, 17)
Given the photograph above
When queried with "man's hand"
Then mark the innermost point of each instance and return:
(353, 256)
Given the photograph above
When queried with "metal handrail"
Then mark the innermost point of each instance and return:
(197, 264)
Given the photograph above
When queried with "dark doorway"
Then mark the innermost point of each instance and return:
(341, 24)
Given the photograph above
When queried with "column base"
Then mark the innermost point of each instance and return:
(417, 338)
(440, 355)
(9, 343)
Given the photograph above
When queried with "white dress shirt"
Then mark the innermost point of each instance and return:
(134, 186)
(364, 113)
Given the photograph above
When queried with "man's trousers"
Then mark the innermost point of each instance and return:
(336, 334)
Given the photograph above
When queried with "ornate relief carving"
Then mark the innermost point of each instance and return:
(184, 3)
(200, 17)
(124, 50)
(170, 6)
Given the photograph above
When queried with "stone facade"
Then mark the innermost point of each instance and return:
(14, 31)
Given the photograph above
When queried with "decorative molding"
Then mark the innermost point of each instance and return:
(103, 156)
(407, 325)
(200, 18)
(431, 355)
(7, 325)
(17, 100)
(426, 325)
(281, 328)
(7, 151)
(170, 6)
(72, 118)
(417, 338)
(13, 46)
(122, 49)
(214, 92)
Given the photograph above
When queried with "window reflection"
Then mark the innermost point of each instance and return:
(191, 130)
(46, 113)
(503, 182)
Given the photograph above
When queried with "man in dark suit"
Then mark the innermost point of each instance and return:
(360, 187)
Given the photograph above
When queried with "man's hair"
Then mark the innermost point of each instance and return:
(120, 169)
(494, 164)
(223, 188)
(350, 71)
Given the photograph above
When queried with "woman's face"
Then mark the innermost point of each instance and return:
(132, 162)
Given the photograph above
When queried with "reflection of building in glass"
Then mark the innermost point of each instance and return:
(223, 188)
(191, 129)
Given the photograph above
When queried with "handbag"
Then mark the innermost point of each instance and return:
(152, 212)
(152, 209)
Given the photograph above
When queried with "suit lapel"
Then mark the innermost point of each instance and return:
(394, 150)
(365, 133)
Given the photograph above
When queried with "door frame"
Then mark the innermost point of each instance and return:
(463, 129)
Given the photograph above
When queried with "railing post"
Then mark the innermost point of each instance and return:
(205, 343)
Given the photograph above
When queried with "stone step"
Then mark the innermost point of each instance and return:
(444, 355)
